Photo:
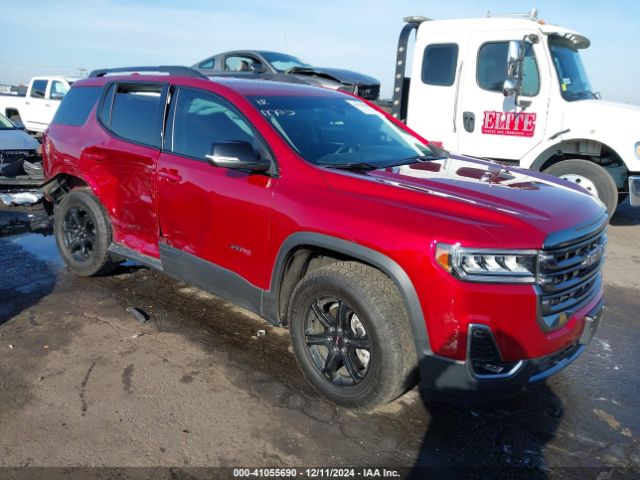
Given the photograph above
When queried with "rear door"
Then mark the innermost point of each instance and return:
(207, 213)
(133, 113)
(498, 128)
(434, 89)
(38, 112)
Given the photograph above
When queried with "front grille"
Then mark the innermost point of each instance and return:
(569, 276)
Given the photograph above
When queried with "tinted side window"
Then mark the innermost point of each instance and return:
(207, 64)
(38, 88)
(58, 89)
(201, 119)
(492, 68)
(439, 64)
(76, 106)
(135, 113)
(239, 63)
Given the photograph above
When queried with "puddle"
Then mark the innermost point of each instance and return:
(41, 246)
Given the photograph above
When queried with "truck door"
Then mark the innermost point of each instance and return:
(488, 123)
(34, 115)
(434, 88)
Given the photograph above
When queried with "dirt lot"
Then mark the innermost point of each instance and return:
(82, 383)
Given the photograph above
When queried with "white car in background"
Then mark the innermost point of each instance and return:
(36, 109)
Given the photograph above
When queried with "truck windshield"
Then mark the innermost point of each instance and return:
(282, 62)
(342, 132)
(574, 84)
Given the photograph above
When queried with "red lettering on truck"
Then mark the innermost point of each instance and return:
(509, 123)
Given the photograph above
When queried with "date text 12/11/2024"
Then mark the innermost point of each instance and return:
(365, 473)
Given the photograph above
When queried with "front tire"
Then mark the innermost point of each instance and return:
(351, 335)
(83, 234)
(590, 176)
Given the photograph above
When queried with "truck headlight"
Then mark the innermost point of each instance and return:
(488, 265)
(636, 148)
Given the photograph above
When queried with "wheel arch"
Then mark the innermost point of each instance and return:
(586, 149)
(59, 185)
(292, 263)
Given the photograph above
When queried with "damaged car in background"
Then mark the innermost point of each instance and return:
(20, 160)
(281, 67)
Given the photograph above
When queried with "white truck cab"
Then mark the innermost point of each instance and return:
(36, 109)
(515, 90)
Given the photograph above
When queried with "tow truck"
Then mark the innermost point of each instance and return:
(513, 88)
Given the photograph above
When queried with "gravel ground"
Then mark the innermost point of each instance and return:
(84, 384)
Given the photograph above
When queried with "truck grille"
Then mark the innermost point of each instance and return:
(568, 277)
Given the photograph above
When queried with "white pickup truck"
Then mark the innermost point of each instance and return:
(36, 109)
(514, 89)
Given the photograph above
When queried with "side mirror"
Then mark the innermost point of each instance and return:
(510, 87)
(237, 156)
(257, 68)
(57, 96)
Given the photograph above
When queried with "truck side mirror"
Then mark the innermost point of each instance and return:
(510, 85)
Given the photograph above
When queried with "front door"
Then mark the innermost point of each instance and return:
(489, 124)
(211, 214)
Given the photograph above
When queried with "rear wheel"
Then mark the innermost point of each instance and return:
(590, 176)
(351, 335)
(83, 234)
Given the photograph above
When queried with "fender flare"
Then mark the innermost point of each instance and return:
(359, 252)
(549, 152)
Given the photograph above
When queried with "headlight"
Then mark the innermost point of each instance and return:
(637, 150)
(488, 265)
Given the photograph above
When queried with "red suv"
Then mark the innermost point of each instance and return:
(388, 258)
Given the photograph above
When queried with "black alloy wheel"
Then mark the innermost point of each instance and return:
(337, 341)
(79, 234)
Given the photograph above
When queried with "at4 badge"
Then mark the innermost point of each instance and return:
(509, 123)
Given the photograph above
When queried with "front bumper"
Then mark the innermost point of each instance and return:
(634, 190)
(458, 381)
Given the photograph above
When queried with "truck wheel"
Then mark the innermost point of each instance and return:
(83, 234)
(351, 335)
(590, 176)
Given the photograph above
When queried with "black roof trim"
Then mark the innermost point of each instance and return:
(176, 70)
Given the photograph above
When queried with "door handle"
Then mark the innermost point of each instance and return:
(469, 121)
(27, 103)
(170, 175)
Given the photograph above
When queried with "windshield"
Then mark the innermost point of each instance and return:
(282, 62)
(574, 84)
(5, 124)
(337, 131)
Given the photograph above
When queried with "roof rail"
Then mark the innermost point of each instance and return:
(169, 69)
(532, 15)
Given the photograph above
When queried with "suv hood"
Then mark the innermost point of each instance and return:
(337, 74)
(484, 193)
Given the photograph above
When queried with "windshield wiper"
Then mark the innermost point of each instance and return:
(354, 166)
(416, 159)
